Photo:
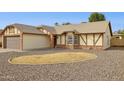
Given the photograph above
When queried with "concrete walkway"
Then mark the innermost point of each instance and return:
(8, 50)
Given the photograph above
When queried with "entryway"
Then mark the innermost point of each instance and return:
(55, 41)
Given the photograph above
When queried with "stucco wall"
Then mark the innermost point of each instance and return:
(117, 42)
(11, 31)
(35, 41)
(90, 39)
(58, 39)
(81, 41)
(99, 43)
(63, 39)
(107, 38)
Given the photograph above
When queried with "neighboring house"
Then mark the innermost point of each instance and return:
(117, 40)
(1, 37)
(83, 35)
(23, 37)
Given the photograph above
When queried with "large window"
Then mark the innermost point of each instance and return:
(76, 39)
(69, 39)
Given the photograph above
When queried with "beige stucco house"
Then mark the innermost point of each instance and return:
(84, 35)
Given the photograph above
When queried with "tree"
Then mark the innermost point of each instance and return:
(96, 17)
(67, 23)
(120, 31)
(56, 24)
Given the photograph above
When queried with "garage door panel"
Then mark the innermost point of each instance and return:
(13, 42)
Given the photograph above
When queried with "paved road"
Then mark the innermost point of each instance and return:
(109, 65)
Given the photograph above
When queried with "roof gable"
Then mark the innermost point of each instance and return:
(27, 28)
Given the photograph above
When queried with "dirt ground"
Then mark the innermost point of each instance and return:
(54, 58)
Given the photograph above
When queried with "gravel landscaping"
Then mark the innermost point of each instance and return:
(109, 65)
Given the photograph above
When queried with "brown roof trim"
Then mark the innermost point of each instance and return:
(93, 33)
(85, 33)
(11, 35)
(110, 28)
(9, 26)
(34, 33)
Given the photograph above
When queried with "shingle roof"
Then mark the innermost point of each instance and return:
(48, 28)
(90, 27)
(27, 28)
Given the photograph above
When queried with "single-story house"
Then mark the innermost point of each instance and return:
(24, 37)
(83, 35)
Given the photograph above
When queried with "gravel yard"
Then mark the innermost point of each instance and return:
(109, 65)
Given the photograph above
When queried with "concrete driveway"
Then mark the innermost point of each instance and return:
(8, 50)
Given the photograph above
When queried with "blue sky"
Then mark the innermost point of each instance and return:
(49, 18)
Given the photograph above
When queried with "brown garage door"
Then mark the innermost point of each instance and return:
(13, 42)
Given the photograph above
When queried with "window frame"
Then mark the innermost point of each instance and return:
(70, 39)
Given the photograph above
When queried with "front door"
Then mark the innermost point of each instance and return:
(55, 41)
